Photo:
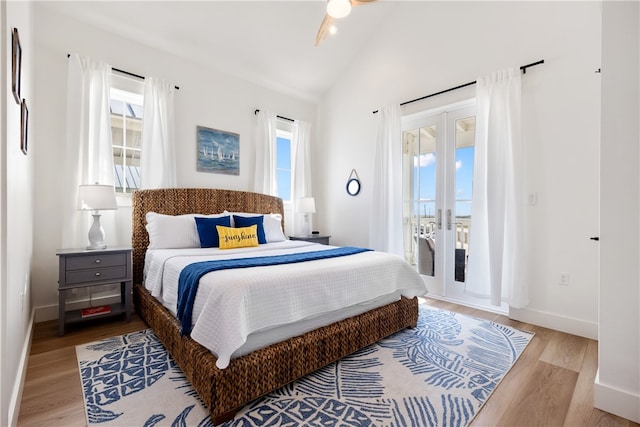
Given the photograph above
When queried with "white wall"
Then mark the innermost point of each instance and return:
(206, 97)
(617, 388)
(425, 47)
(16, 212)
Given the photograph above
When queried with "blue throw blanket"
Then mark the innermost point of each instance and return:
(191, 274)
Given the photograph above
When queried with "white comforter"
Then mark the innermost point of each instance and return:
(231, 304)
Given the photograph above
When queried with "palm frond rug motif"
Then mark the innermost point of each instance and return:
(438, 374)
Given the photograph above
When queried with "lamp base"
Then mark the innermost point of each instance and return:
(96, 234)
(306, 227)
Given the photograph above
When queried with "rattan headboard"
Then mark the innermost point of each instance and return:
(178, 201)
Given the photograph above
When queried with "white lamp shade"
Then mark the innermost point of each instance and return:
(338, 8)
(96, 197)
(307, 205)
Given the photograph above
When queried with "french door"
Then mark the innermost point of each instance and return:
(438, 151)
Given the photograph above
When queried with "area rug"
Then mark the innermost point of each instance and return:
(438, 374)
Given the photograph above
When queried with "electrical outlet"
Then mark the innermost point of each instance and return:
(564, 279)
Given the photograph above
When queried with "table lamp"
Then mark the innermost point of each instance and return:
(96, 197)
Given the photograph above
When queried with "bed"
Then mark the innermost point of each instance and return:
(258, 371)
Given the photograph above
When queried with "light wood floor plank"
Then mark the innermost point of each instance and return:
(544, 398)
(599, 418)
(566, 351)
(581, 405)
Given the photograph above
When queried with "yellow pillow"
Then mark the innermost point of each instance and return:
(237, 237)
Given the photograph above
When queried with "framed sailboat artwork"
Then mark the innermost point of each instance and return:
(218, 151)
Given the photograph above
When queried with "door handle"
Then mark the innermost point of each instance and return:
(448, 219)
(439, 219)
(596, 238)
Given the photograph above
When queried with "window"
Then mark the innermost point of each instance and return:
(126, 133)
(283, 165)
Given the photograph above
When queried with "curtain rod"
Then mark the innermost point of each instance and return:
(127, 73)
(279, 117)
(451, 89)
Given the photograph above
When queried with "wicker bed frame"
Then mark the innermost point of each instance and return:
(246, 378)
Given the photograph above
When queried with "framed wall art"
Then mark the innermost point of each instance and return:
(218, 151)
(16, 64)
(24, 126)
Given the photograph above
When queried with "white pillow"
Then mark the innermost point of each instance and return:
(273, 228)
(173, 231)
(272, 224)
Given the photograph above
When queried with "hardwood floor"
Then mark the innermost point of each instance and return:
(550, 385)
(52, 394)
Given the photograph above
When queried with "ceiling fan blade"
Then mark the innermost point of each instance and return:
(361, 2)
(327, 22)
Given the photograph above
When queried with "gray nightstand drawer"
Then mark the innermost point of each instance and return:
(94, 261)
(96, 274)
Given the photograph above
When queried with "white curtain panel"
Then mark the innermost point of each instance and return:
(301, 170)
(158, 160)
(385, 228)
(495, 269)
(265, 138)
(88, 151)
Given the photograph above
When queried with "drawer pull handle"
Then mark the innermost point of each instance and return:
(98, 261)
(97, 274)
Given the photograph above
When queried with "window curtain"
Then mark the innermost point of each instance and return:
(265, 137)
(88, 151)
(157, 160)
(301, 169)
(496, 255)
(385, 229)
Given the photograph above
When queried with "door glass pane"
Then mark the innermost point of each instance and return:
(420, 210)
(465, 142)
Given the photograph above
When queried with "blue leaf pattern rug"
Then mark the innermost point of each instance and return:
(438, 374)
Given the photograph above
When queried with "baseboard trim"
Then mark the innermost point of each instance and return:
(18, 387)
(615, 401)
(570, 325)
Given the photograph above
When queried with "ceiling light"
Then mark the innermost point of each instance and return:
(338, 8)
(333, 29)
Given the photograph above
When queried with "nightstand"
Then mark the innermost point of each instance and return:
(315, 238)
(81, 268)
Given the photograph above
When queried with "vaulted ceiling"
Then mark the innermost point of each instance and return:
(270, 43)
